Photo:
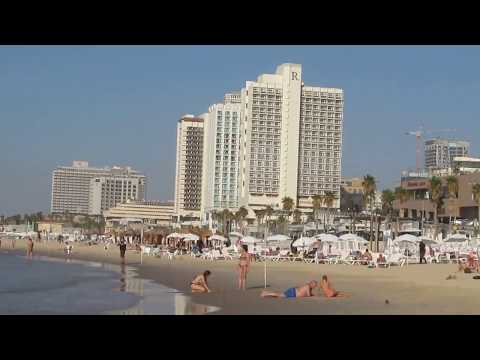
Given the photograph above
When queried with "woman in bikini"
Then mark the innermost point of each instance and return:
(199, 284)
(243, 266)
(328, 290)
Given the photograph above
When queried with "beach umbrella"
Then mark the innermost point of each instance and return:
(236, 234)
(278, 238)
(174, 235)
(250, 240)
(327, 238)
(218, 238)
(190, 237)
(304, 242)
(407, 238)
(353, 237)
(457, 238)
(429, 241)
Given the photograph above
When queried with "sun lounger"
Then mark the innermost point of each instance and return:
(396, 259)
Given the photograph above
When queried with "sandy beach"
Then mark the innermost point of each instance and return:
(416, 289)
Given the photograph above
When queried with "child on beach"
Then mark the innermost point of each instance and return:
(199, 283)
(328, 289)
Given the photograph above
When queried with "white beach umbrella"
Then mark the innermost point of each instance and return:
(328, 238)
(278, 238)
(236, 234)
(457, 238)
(304, 242)
(218, 238)
(173, 235)
(407, 238)
(250, 240)
(190, 237)
(353, 237)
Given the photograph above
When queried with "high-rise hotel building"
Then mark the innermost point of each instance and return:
(188, 176)
(81, 189)
(221, 154)
(276, 138)
(291, 142)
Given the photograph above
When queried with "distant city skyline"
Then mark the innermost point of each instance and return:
(119, 105)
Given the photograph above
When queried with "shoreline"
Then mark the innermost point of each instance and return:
(416, 289)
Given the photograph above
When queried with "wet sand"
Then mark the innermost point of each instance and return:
(416, 289)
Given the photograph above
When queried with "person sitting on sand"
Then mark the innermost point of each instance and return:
(470, 266)
(300, 291)
(199, 284)
(381, 259)
(367, 255)
(328, 289)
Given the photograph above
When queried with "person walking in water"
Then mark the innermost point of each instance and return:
(30, 248)
(123, 249)
(243, 267)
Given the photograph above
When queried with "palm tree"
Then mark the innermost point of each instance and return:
(369, 186)
(328, 200)
(388, 197)
(268, 214)
(297, 216)
(317, 205)
(240, 216)
(436, 199)
(476, 197)
(226, 216)
(452, 187)
(260, 215)
(287, 203)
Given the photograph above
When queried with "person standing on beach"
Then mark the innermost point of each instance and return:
(422, 252)
(243, 267)
(13, 242)
(123, 249)
(30, 248)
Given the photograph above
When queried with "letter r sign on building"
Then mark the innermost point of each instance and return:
(294, 75)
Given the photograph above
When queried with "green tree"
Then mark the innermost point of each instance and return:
(369, 186)
(297, 216)
(287, 204)
(260, 214)
(240, 217)
(436, 198)
(328, 200)
(268, 214)
(317, 201)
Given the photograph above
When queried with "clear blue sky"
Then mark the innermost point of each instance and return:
(120, 105)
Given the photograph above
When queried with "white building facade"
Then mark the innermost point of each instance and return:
(71, 186)
(189, 166)
(119, 187)
(221, 155)
(291, 140)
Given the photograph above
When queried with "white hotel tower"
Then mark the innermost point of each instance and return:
(221, 154)
(291, 141)
(276, 138)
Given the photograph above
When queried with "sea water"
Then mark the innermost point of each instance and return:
(64, 286)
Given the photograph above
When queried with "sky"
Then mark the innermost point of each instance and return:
(119, 105)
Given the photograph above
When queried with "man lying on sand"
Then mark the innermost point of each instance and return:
(328, 289)
(301, 291)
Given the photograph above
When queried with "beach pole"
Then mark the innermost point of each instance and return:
(265, 259)
(141, 241)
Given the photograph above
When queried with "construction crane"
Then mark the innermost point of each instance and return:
(419, 135)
